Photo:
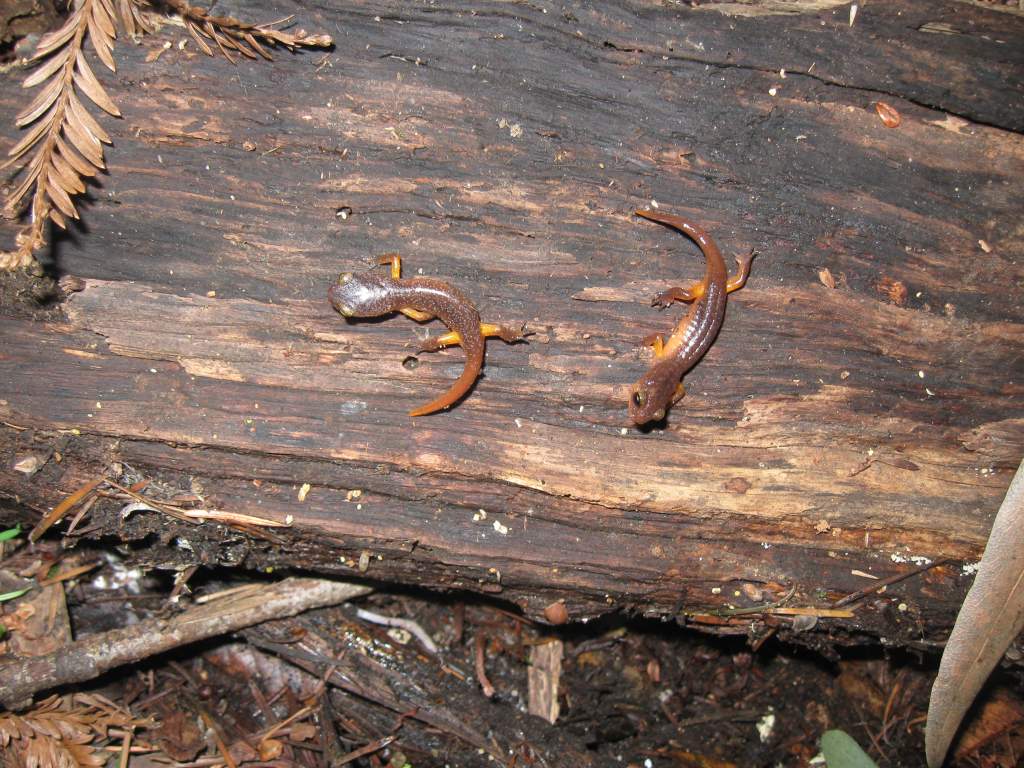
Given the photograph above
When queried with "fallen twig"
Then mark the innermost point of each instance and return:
(369, 749)
(88, 658)
(877, 585)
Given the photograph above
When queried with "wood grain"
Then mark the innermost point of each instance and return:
(503, 147)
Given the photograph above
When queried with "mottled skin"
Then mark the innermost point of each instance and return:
(661, 386)
(373, 293)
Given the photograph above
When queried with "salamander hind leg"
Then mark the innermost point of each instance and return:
(487, 330)
(434, 343)
(666, 298)
(504, 332)
(738, 280)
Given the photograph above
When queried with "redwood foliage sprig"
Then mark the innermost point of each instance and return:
(63, 731)
(233, 35)
(63, 145)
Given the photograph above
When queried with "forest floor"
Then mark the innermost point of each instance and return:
(631, 692)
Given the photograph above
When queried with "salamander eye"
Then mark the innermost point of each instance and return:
(639, 398)
(344, 278)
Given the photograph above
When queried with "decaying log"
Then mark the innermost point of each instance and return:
(860, 411)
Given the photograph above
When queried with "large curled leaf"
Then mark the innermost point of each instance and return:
(991, 617)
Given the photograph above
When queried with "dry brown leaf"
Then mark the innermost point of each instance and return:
(131, 18)
(40, 104)
(991, 617)
(998, 714)
(46, 70)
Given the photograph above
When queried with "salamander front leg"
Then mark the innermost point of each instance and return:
(395, 260)
(417, 315)
(656, 342)
(434, 343)
(738, 280)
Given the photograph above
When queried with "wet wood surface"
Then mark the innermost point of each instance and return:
(860, 410)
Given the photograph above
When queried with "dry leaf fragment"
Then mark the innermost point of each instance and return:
(890, 117)
(543, 677)
(895, 290)
(29, 465)
(996, 714)
(156, 53)
(991, 617)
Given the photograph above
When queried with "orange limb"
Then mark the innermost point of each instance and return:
(697, 290)
(434, 343)
(503, 332)
(417, 315)
(657, 342)
(487, 330)
(474, 361)
(738, 280)
(395, 260)
(665, 298)
(679, 394)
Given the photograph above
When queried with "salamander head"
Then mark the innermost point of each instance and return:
(366, 294)
(651, 396)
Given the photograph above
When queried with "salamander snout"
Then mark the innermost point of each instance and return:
(648, 400)
(359, 295)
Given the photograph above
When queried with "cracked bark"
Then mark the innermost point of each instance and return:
(827, 431)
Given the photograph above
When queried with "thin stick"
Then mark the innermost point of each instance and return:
(877, 585)
(373, 746)
(481, 672)
(94, 655)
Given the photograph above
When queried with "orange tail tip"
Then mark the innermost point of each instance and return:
(456, 392)
(661, 218)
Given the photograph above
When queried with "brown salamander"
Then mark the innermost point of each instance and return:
(372, 294)
(661, 386)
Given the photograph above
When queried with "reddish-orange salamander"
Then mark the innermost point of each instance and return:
(372, 294)
(661, 386)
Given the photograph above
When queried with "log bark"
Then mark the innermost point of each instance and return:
(831, 431)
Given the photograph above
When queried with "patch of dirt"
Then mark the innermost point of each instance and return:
(29, 296)
(631, 693)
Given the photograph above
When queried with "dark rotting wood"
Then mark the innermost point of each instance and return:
(503, 147)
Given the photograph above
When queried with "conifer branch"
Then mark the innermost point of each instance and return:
(63, 145)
